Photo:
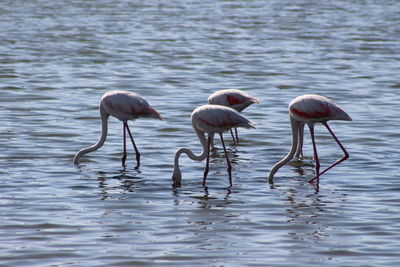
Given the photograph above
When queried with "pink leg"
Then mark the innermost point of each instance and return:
(227, 161)
(237, 136)
(317, 165)
(233, 136)
(134, 146)
(208, 160)
(345, 156)
(124, 145)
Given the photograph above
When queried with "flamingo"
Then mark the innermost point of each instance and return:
(233, 98)
(124, 106)
(311, 109)
(210, 119)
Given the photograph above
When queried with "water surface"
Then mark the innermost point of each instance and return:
(58, 58)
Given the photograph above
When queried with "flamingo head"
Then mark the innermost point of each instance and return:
(176, 177)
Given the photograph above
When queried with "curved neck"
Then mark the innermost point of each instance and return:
(299, 150)
(104, 129)
(176, 176)
(296, 126)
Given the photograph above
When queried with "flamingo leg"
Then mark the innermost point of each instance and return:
(134, 146)
(317, 165)
(233, 136)
(345, 156)
(227, 161)
(237, 136)
(210, 137)
(124, 145)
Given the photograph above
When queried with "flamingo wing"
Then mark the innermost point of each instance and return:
(236, 99)
(316, 108)
(217, 119)
(125, 105)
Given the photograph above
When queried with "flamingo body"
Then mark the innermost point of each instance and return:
(217, 119)
(316, 108)
(311, 109)
(209, 119)
(124, 106)
(233, 98)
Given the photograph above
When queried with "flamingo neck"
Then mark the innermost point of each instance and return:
(299, 150)
(176, 175)
(296, 126)
(104, 129)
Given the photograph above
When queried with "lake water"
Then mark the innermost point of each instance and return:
(58, 58)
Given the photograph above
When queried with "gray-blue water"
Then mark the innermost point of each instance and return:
(58, 57)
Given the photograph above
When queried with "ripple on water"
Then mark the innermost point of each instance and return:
(58, 59)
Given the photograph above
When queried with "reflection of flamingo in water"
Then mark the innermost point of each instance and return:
(210, 119)
(233, 98)
(311, 109)
(124, 106)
